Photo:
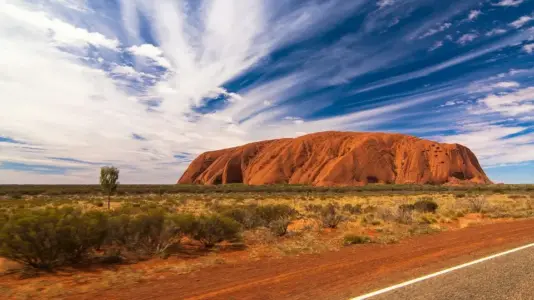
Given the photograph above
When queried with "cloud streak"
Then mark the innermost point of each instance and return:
(84, 86)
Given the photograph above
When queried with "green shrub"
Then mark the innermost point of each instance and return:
(15, 196)
(4, 217)
(351, 239)
(150, 233)
(52, 237)
(279, 227)
(244, 216)
(330, 217)
(212, 229)
(425, 205)
(270, 213)
(255, 216)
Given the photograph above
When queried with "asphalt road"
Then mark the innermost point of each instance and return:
(506, 277)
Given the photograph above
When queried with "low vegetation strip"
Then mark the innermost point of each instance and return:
(54, 237)
(127, 189)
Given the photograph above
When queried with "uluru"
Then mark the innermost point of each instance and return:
(338, 159)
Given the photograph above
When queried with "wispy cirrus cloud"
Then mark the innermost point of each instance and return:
(509, 3)
(529, 48)
(473, 15)
(522, 21)
(85, 85)
(435, 30)
(520, 102)
(467, 38)
(495, 31)
(152, 52)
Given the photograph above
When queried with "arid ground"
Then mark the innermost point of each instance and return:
(289, 245)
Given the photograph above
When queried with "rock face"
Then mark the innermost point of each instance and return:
(338, 159)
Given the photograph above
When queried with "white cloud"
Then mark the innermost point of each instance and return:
(496, 31)
(506, 84)
(473, 14)
(436, 45)
(125, 70)
(491, 146)
(78, 5)
(295, 120)
(486, 85)
(517, 103)
(512, 40)
(61, 32)
(467, 38)
(521, 21)
(384, 3)
(509, 3)
(528, 48)
(152, 52)
(433, 31)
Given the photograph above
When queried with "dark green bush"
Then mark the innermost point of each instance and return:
(425, 205)
(351, 239)
(150, 233)
(51, 237)
(279, 227)
(253, 216)
(247, 217)
(15, 196)
(213, 229)
(330, 217)
(270, 213)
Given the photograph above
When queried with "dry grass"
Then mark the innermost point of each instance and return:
(379, 219)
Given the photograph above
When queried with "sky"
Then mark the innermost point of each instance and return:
(148, 85)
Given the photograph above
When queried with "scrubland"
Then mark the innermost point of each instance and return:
(61, 243)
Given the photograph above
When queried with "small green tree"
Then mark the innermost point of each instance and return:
(109, 177)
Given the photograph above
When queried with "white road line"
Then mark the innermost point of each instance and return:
(394, 287)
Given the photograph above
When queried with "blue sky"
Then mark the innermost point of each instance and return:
(148, 85)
